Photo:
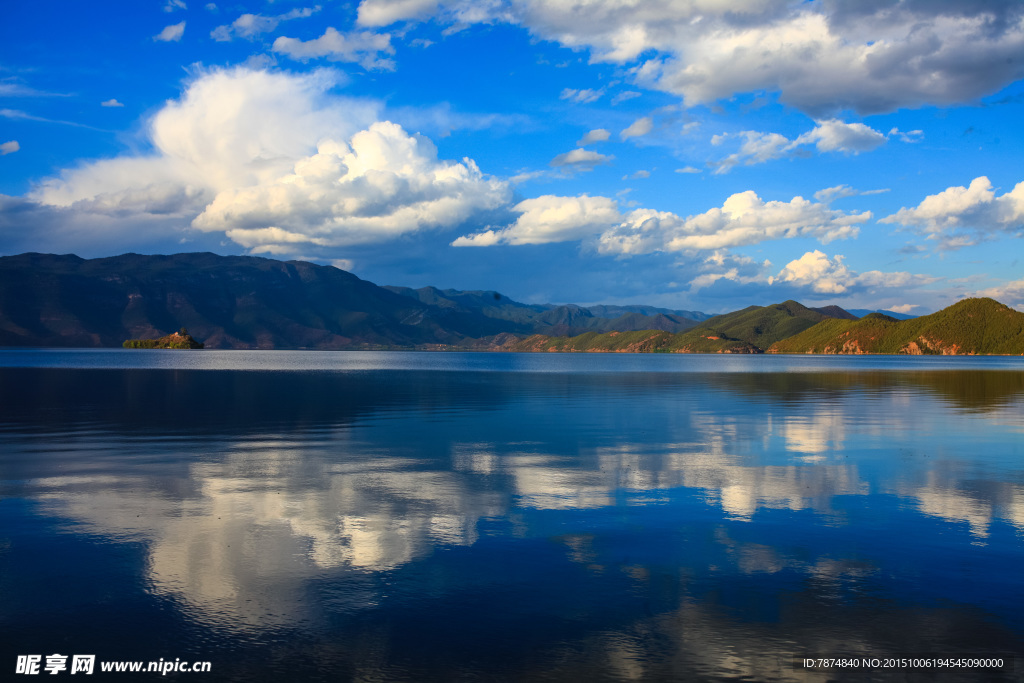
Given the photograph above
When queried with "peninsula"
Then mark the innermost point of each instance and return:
(176, 340)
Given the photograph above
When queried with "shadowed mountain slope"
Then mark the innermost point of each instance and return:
(249, 302)
(551, 319)
(225, 301)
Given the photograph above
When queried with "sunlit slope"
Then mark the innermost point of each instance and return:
(971, 326)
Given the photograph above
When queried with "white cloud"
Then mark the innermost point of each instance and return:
(903, 308)
(638, 128)
(836, 136)
(817, 273)
(827, 136)
(581, 96)
(839, 191)
(581, 159)
(639, 174)
(383, 184)
(174, 32)
(757, 148)
(550, 219)
(963, 216)
(362, 47)
(907, 136)
(721, 265)
(596, 135)
(172, 5)
(387, 12)
(624, 96)
(251, 26)
(9, 147)
(744, 219)
(688, 169)
(272, 161)
(111, 103)
(1009, 293)
(820, 57)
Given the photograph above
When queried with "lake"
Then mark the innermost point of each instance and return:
(364, 516)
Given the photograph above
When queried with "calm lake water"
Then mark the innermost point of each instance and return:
(359, 516)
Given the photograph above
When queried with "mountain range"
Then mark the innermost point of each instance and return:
(251, 302)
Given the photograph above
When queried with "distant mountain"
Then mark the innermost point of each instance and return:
(606, 311)
(861, 312)
(250, 302)
(751, 330)
(552, 319)
(837, 312)
(225, 301)
(971, 326)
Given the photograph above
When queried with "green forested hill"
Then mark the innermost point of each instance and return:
(971, 326)
(758, 325)
(750, 330)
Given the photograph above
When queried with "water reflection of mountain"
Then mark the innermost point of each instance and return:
(967, 390)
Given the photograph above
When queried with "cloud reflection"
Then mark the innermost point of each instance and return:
(238, 528)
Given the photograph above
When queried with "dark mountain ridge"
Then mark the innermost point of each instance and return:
(555, 319)
(225, 301)
(253, 302)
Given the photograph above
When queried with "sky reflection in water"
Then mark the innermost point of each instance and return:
(426, 523)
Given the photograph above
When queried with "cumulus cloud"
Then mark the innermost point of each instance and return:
(827, 136)
(9, 147)
(581, 96)
(174, 32)
(688, 169)
(817, 273)
(111, 103)
(550, 219)
(743, 219)
(596, 135)
(820, 57)
(271, 160)
(836, 136)
(638, 128)
(962, 216)
(251, 26)
(383, 184)
(172, 5)
(581, 159)
(361, 47)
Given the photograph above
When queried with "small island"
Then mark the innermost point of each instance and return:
(176, 340)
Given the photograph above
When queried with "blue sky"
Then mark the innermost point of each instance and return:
(696, 154)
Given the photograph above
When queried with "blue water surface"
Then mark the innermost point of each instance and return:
(511, 517)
